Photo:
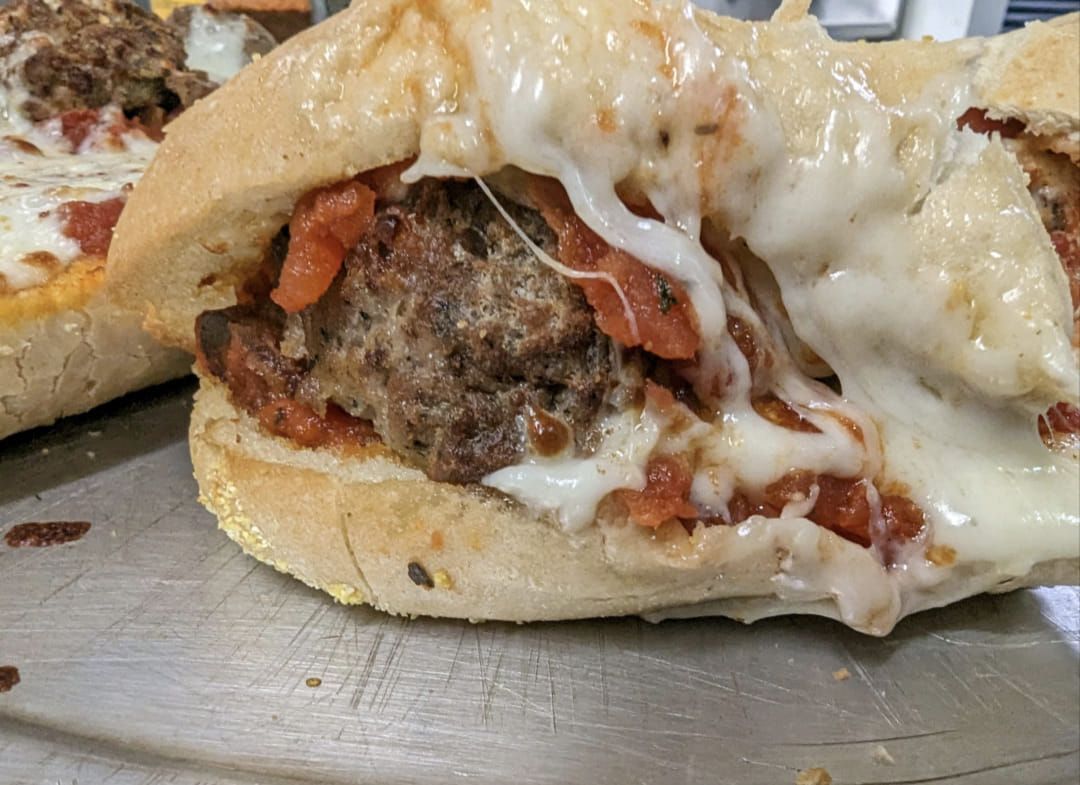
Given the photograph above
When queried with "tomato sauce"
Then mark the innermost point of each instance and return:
(547, 434)
(1060, 427)
(841, 506)
(665, 495)
(743, 335)
(91, 224)
(326, 223)
(782, 413)
(1067, 245)
(262, 382)
(40, 535)
(78, 125)
(297, 421)
(792, 486)
(662, 313)
(741, 507)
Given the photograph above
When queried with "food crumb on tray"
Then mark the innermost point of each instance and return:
(40, 535)
(841, 675)
(9, 677)
(882, 757)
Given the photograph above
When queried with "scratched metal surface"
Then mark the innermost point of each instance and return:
(151, 651)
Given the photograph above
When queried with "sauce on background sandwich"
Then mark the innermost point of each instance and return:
(579, 309)
(86, 87)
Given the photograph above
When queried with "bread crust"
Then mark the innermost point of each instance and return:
(352, 524)
(1030, 74)
(382, 68)
(64, 349)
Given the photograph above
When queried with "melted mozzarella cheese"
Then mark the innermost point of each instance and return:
(908, 256)
(215, 44)
(24, 233)
(102, 137)
(32, 187)
(572, 488)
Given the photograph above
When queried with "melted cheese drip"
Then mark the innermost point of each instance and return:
(859, 210)
(215, 44)
(572, 488)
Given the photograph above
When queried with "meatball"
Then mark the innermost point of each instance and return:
(446, 330)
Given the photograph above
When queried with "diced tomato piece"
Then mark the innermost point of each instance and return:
(782, 413)
(662, 311)
(76, 125)
(666, 492)
(1060, 426)
(665, 319)
(661, 397)
(842, 508)
(326, 223)
(577, 242)
(91, 224)
(385, 181)
(740, 507)
(792, 486)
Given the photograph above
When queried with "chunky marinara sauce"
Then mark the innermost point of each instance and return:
(91, 224)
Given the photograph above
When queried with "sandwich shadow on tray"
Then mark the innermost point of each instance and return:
(134, 425)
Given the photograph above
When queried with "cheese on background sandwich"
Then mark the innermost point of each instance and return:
(85, 89)
(553, 310)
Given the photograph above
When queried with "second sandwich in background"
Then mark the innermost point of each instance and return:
(86, 89)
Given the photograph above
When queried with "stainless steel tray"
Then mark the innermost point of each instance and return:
(153, 651)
